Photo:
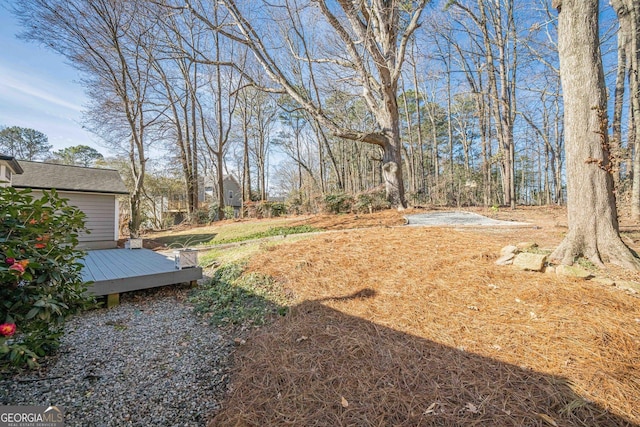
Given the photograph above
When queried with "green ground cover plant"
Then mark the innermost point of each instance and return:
(233, 297)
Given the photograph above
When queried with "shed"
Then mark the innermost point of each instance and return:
(94, 191)
(9, 166)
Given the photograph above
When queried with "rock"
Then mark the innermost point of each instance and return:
(523, 246)
(529, 261)
(604, 281)
(550, 269)
(572, 271)
(627, 285)
(505, 259)
(507, 250)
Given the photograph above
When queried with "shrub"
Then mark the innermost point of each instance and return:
(213, 212)
(200, 216)
(278, 209)
(264, 209)
(338, 203)
(372, 201)
(40, 273)
(229, 212)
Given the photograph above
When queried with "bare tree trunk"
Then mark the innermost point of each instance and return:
(246, 167)
(616, 125)
(628, 12)
(593, 224)
(634, 86)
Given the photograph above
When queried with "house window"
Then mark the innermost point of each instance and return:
(230, 194)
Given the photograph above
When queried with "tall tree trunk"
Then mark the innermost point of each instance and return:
(628, 12)
(246, 167)
(392, 147)
(634, 87)
(616, 125)
(593, 224)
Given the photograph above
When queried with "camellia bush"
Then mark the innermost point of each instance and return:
(40, 273)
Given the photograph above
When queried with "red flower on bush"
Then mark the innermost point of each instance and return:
(17, 267)
(7, 329)
(43, 241)
(10, 261)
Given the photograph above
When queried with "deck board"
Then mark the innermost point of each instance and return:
(122, 270)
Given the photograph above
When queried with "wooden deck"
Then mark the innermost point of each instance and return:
(121, 270)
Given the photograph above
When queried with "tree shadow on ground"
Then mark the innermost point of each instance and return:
(185, 240)
(320, 367)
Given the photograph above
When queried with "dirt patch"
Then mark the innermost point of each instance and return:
(417, 326)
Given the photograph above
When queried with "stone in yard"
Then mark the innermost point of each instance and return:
(524, 246)
(508, 250)
(604, 281)
(627, 285)
(572, 271)
(529, 261)
(505, 259)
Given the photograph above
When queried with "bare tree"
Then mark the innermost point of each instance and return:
(496, 22)
(628, 12)
(370, 42)
(102, 38)
(593, 224)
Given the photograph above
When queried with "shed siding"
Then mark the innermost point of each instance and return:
(100, 218)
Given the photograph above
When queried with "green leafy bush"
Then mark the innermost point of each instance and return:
(213, 212)
(338, 203)
(277, 209)
(371, 201)
(40, 273)
(265, 209)
(229, 212)
(200, 216)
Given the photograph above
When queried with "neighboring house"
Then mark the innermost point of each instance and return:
(231, 190)
(94, 191)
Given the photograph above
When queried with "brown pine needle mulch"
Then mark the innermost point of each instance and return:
(418, 327)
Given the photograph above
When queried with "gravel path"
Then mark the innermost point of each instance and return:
(148, 362)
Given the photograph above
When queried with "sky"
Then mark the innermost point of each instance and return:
(39, 90)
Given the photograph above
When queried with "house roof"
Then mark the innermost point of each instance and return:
(12, 163)
(44, 176)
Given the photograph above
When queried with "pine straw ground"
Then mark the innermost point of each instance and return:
(409, 326)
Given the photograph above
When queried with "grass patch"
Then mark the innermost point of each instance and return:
(270, 232)
(232, 297)
(241, 253)
(179, 241)
(229, 233)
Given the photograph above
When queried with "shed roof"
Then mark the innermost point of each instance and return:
(44, 176)
(12, 163)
